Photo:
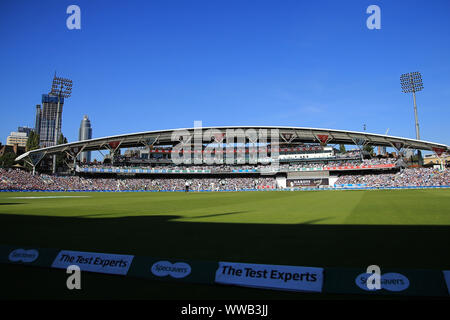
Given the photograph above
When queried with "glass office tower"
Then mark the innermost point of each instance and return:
(85, 133)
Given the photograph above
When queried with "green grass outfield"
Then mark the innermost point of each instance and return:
(390, 228)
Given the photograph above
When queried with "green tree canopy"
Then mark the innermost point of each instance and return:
(368, 148)
(60, 157)
(62, 139)
(7, 160)
(33, 141)
(32, 144)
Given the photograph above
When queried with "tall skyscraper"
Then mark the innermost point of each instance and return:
(85, 133)
(48, 119)
(37, 124)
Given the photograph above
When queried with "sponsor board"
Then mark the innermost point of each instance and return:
(173, 270)
(408, 282)
(280, 277)
(389, 281)
(42, 257)
(447, 279)
(307, 182)
(165, 268)
(94, 262)
(22, 255)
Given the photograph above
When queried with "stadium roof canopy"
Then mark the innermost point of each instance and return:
(287, 136)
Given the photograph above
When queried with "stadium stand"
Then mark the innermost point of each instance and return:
(15, 179)
(231, 168)
(405, 177)
(294, 158)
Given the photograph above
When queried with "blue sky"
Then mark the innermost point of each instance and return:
(148, 65)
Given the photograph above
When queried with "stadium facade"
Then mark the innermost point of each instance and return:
(288, 136)
(289, 156)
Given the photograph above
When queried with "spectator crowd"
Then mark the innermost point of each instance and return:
(405, 177)
(15, 179)
(22, 180)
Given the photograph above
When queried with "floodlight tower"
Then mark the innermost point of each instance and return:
(61, 88)
(412, 82)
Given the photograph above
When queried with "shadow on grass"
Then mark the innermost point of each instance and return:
(316, 220)
(217, 215)
(290, 244)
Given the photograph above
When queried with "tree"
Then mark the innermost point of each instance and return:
(62, 139)
(33, 141)
(32, 144)
(60, 157)
(342, 148)
(7, 160)
(368, 148)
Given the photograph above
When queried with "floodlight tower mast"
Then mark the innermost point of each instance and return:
(412, 82)
(61, 88)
